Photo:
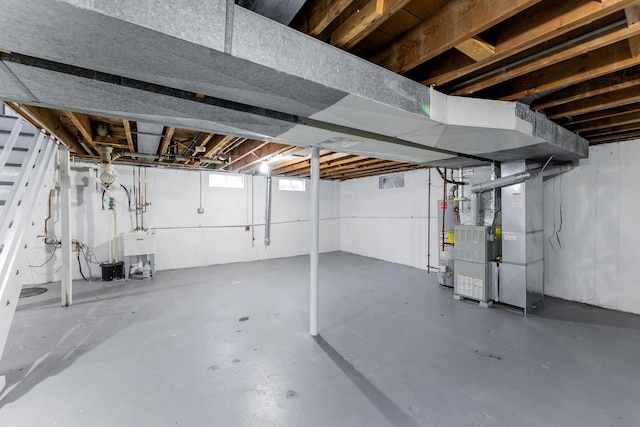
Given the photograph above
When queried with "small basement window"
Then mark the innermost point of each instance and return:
(6, 111)
(226, 180)
(287, 184)
(391, 181)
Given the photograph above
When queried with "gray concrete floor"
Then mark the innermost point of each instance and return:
(395, 350)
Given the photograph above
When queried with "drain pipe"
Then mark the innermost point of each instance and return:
(267, 213)
(517, 178)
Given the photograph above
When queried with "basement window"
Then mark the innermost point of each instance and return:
(391, 181)
(6, 111)
(286, 184)
(226, 180)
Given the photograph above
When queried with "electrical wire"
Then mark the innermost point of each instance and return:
(80, 266)
(55, 248)
(89, 256)
(556, 228)
(560, 226)
(450, 181)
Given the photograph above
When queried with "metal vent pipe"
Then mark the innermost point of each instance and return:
(267, 213)
(506, 181)
(519, 177)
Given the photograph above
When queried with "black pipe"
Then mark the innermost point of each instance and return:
(447, 180)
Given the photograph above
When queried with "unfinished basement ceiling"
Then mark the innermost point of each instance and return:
(574, 63)
(577, 62)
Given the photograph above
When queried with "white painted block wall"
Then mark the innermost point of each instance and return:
(185, 238)
(391, 224)
(590, 224)
(592, 229)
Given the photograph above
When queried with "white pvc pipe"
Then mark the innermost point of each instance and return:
(315, 238)
(65, 220)
(116, 244)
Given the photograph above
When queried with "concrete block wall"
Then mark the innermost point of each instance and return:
(185, 238)
(591, 229)
(589, 226)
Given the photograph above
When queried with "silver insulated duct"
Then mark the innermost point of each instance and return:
(522, 268)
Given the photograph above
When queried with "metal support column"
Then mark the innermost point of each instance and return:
(65, 219)
(315, 238)
(475, 209)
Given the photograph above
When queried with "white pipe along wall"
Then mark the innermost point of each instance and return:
(184, 238)
(589, 224)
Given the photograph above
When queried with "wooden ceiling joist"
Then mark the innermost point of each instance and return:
(364, 21)
(609, 131)
(476, 49)
(389, 169)
(595, 103)
(357, 163)
(346, 160)
(452, 24)
(507, 73)
(48, 120)
(243, 150)
(166, 140)
(632, 14)
(606, 122)
(206, 139)
(579, 60)
(305, 163)
(583, 119)
(580, 69)
(316, 15)
(623, 79)
(541, 24)
(120, 143)
(83, 124)
(625, 136)
(127, 132)
(348, 164)
(259, 155)
(218, 143)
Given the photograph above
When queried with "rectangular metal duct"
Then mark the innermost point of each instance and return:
(149, 137)
(262, 80)
(522, 268)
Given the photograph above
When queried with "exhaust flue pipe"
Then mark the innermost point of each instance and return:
(517, 178)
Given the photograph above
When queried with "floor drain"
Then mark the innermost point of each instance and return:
(29, 292)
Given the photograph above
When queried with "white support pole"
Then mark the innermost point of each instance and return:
(65, 219)
(315, 239)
